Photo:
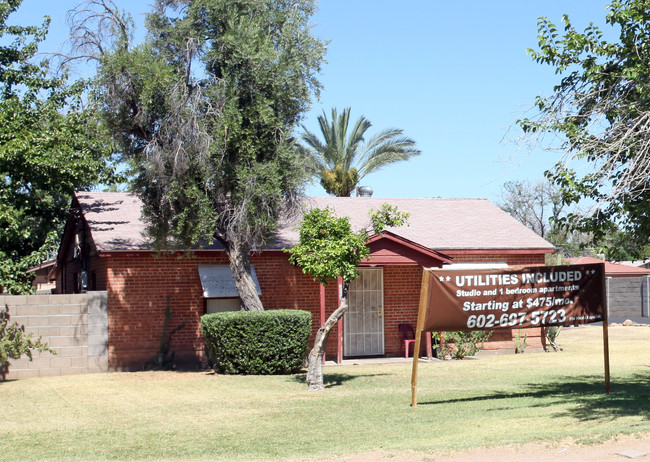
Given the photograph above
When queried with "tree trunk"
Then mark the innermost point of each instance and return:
(240, 266)
(315, 362)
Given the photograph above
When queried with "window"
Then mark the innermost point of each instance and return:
(219, 289)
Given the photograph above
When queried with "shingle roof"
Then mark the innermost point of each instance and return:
(611, 269)
(115, 220)
(440, 224)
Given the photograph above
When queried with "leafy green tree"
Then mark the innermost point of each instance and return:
(343, 156)
(48, 150)
(204, 110)
(601, 109)
(329, 248)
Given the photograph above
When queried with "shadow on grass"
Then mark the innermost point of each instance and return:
(334, 380)
(329, 380)
(584, 395)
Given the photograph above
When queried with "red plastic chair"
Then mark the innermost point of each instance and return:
(408, 337)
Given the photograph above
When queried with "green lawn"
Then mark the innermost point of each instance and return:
(461, 404)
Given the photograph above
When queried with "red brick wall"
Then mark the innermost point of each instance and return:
(401, 301)
(138, 284)
(138, 287)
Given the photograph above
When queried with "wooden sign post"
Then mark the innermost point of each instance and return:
(606, 335)
(419, 327)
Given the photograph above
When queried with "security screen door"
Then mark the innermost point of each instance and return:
(364, 321)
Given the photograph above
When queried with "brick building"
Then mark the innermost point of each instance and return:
(105, 248)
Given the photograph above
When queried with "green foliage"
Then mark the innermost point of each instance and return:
(14, 278)
(328, 247)
(555, 259)
(387, 216)
(14, 342)
(520, 343)
(601, 109)
(257, 342)
(48, 149)
(341, 159)
(619, 245)
(338, 181)
(459, 344)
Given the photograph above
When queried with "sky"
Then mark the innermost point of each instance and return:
(455, 76)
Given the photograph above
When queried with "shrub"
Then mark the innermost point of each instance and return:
(257, 342)
(552, 334)
(459, 344)
(520, 343)
(14, 342)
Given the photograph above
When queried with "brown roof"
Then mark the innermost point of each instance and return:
(440, 224)
(611, 269)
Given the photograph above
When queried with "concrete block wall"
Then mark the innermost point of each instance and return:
(73, 325)
(628, 296)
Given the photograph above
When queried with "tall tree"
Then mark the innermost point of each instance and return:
(343, 157)
(601, 109)
(329, 248)
(204, 110)
(48, 149)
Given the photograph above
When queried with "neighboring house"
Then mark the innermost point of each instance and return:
(104, 248)
(628, 289)
(640, 263)
(44, 281)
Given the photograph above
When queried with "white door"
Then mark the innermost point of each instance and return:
(364, 321)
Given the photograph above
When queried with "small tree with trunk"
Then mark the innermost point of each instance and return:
(329, 248)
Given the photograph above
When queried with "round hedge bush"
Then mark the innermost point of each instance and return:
(257, 342)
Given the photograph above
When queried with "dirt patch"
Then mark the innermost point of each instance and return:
(621, 449)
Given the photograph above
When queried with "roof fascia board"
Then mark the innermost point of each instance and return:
(535, 251)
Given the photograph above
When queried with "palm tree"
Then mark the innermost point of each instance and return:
(342, 159)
